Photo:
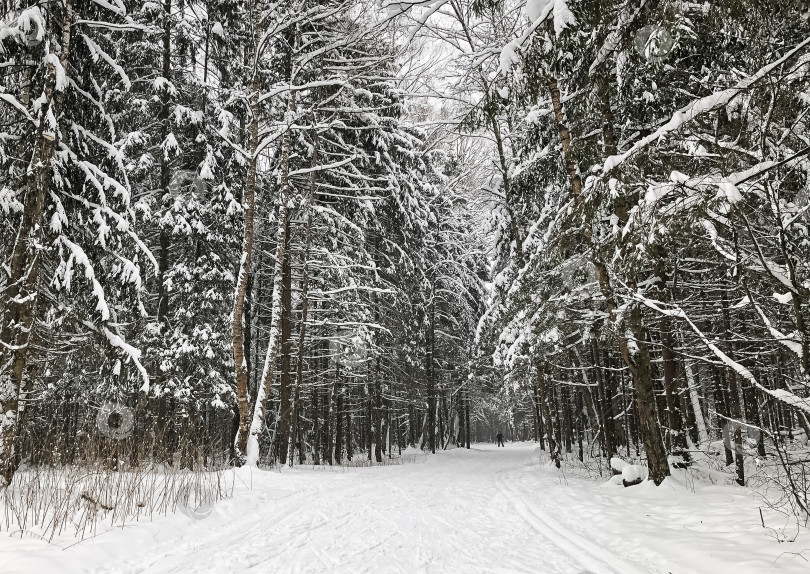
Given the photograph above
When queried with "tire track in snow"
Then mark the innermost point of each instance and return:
(591, 556)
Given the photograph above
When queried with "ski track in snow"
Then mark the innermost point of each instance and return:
(482, 510)
(586, 553)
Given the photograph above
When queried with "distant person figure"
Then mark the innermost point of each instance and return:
(499, 436)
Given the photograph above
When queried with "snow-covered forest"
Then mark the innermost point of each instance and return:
(267, 235)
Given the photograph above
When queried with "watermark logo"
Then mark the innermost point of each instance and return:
(348, 349)
(195, 502)
(185, 180)
(654, 43)
(750, 436)
(115, 420)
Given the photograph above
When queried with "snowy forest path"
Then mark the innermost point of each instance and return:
(447, 515)
(482, 510)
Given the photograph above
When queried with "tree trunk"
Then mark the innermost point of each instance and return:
(26, 261)
(735, 408)
(327, 425)
(165, 172)
(431, 395)
(605, 406)
(378, 413)
(316, 426)
(299, 375)
(286, 398)
(639, 363)
(546, 411)
(240, 364)
(349, 441)
(467, 420)
(672, 387)
(369, 423)
(720, 406)
(694, 398)
(568, 425)
(263, 390)
(580, 426)
(538, 420)
(443, 422)
(339, 390)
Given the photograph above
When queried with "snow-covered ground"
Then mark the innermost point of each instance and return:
(483, 510)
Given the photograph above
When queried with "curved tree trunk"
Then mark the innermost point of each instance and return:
(237, 325)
